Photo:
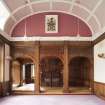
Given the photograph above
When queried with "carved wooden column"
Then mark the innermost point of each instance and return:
(37, 68)
(66, 69)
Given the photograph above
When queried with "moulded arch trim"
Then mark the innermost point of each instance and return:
(91, 72)
(25, 57)
(74, 57)
(85, 57)
(49, 56)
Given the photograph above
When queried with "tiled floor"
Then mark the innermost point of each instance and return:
(52, 100)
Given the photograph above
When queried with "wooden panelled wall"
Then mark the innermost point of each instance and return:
(99, 89)
(27, 49)
(4, 84)
(65, 51)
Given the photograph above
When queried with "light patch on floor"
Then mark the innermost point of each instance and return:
(52, 100)
(29, 87)
(26, 87)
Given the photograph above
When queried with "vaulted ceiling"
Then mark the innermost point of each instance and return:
(90, 11)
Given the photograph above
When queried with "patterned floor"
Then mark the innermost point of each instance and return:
(52, 100)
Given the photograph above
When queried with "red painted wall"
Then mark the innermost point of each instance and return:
(67, 26)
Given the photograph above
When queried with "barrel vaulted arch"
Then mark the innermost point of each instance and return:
(91, 11)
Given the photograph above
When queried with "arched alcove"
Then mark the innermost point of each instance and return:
(79, 73)
(51, 69)
(23, 76)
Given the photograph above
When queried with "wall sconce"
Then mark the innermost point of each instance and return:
(101, 55)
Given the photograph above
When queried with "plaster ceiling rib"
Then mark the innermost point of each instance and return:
(51, 4)
(94, 9)
(83, 7)
(21, 7)
(71, 6)
(30, 6)
(98, 22)
(12, 16)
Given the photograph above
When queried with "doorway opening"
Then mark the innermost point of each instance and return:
(51, 74)
(79, 75)
(23, 75)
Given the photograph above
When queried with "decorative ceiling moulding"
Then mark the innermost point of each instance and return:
(100, 13)
(22, 13)
(97, 20)
(58, 6)
(50, 12)
(63, 1)
(80, 12)
(9, 24)
(93, 23)
(89, 6)
(13, 4)
(88, 11)
(40, 7)
(44, 1)
(28, 4)
(97, 35)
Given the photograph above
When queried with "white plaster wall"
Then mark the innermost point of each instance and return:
(99, 63)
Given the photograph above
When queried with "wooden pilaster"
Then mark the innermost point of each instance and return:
(66, 69)
(37, 68)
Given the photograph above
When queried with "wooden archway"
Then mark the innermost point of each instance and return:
(51, 68)
(17, 70)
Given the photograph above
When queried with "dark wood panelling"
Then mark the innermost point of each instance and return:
(4, 40)
(53, 49)
(99, 39)
(5, 88)
(79, 72)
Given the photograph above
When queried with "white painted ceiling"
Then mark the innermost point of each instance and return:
(90, 11)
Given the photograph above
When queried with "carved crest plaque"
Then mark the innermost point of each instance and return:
(51, 24)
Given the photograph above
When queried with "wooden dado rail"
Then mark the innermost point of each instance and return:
(99, 89)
